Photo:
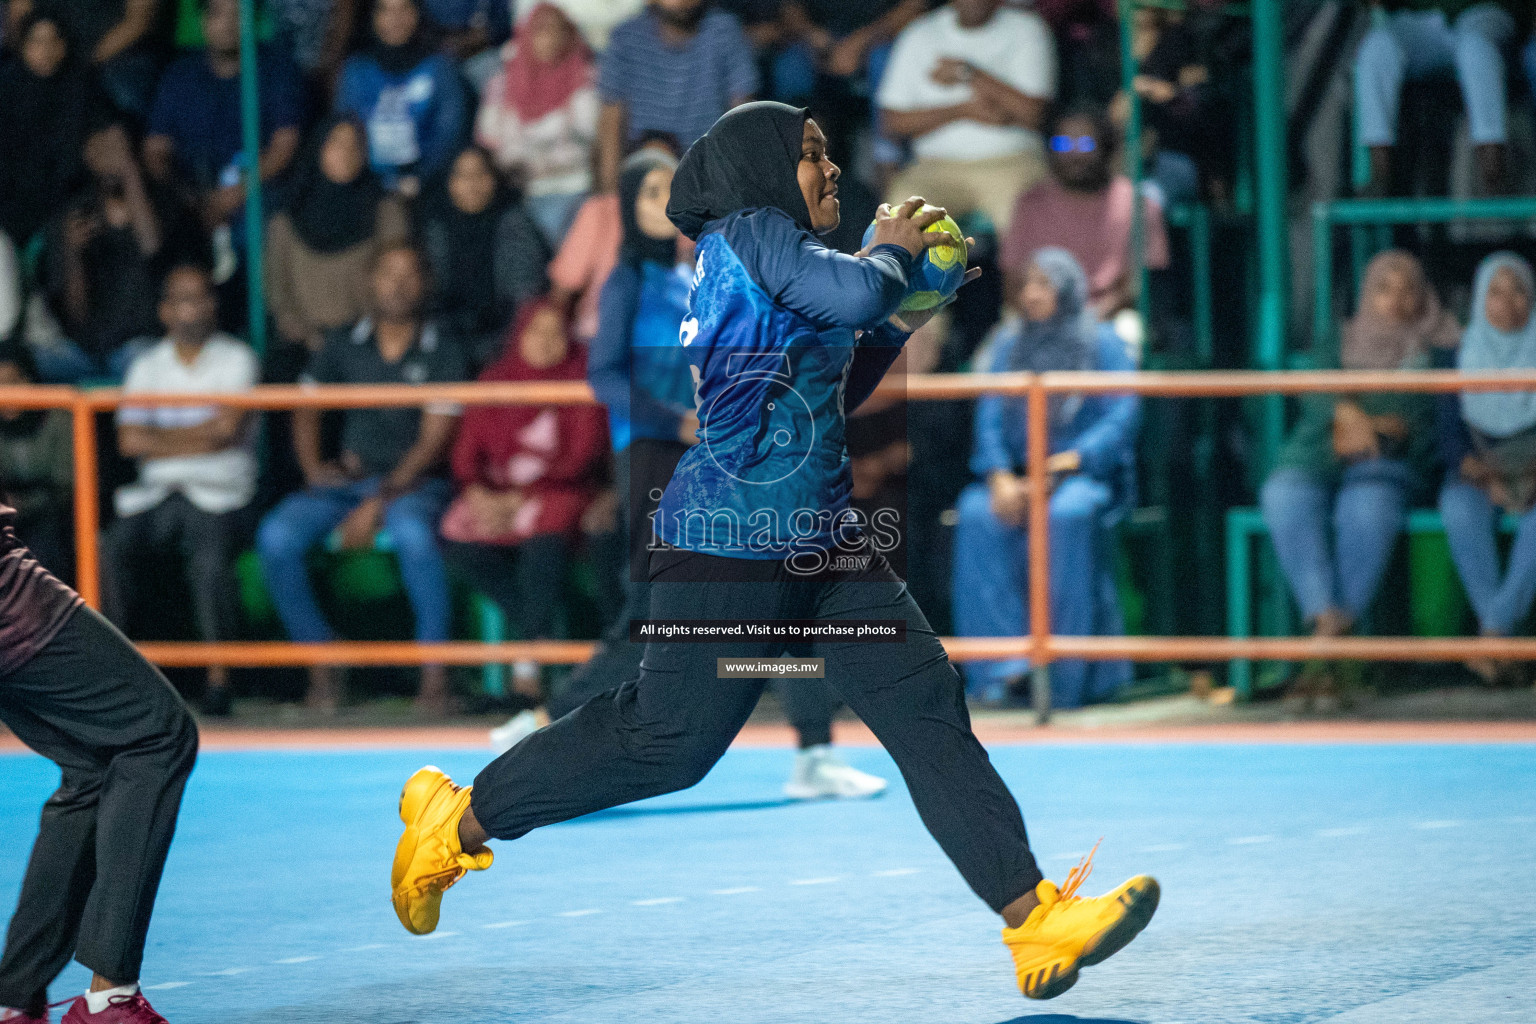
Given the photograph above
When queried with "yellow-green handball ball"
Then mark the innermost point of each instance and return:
(937, 275)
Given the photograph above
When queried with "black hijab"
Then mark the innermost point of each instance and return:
(638, 246)
(465, 242)
(747, 160)
(42, 133)
(403, 59)
(327, 216)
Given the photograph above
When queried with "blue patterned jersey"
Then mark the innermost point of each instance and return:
(776, 321)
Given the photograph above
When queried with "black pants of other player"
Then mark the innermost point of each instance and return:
(665, 729)
(126, 744)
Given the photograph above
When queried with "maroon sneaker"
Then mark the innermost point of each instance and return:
(134, 1009)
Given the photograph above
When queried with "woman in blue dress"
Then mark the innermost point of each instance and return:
(784, 337)
(1093, 448)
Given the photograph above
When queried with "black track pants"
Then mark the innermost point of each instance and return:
(663, 730)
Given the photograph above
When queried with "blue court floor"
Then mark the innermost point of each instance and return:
(1347, 884)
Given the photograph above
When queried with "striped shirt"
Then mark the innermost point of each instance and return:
(677, 89)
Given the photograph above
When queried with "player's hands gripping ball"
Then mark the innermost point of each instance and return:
(940, 268)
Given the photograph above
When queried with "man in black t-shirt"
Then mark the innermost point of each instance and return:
(388, 475)
(74, 689)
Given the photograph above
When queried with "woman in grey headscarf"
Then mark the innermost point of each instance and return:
(1093, 458)
(1490, 455)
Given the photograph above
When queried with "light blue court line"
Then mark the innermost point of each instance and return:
(1390, 885)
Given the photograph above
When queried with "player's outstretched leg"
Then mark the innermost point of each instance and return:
(912, 699)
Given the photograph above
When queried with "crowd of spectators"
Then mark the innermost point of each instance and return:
(469, 187)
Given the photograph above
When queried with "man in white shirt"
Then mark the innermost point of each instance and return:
(968, 86)
(197, 468)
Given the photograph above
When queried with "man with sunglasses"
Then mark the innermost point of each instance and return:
(968, 87)
(1086, 208)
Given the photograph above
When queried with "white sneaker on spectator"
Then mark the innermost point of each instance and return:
(820, 774)
(517, 728)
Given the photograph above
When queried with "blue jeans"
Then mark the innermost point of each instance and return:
(1172, 180)
(991, 582)
(63, 362)
(553, 215)
(1367, 508)
(1419, 44)
(1471, 526)
(306, 517)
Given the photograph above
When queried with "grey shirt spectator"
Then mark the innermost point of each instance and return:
(674, 68)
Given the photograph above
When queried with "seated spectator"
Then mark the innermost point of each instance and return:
(321, 248)
(50, 106)
(674, 68)
(37, 476)
(1488, 445)
(408, 96)
(1086, 208)
(1418, 39)
(1174, 90)
(538, 117)
(968, 85)
(196, 135)
(106, 255)
(387, 476)
(1092, 464)
(591, 249)
(485, 255)
(1338, 498)
(120, 40)
(197, 472)
(526, 475)
(595, 19)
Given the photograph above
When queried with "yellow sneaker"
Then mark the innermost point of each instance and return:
(428, 859)
(1067, 932)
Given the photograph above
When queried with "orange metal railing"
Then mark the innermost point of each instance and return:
(1041, 644)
